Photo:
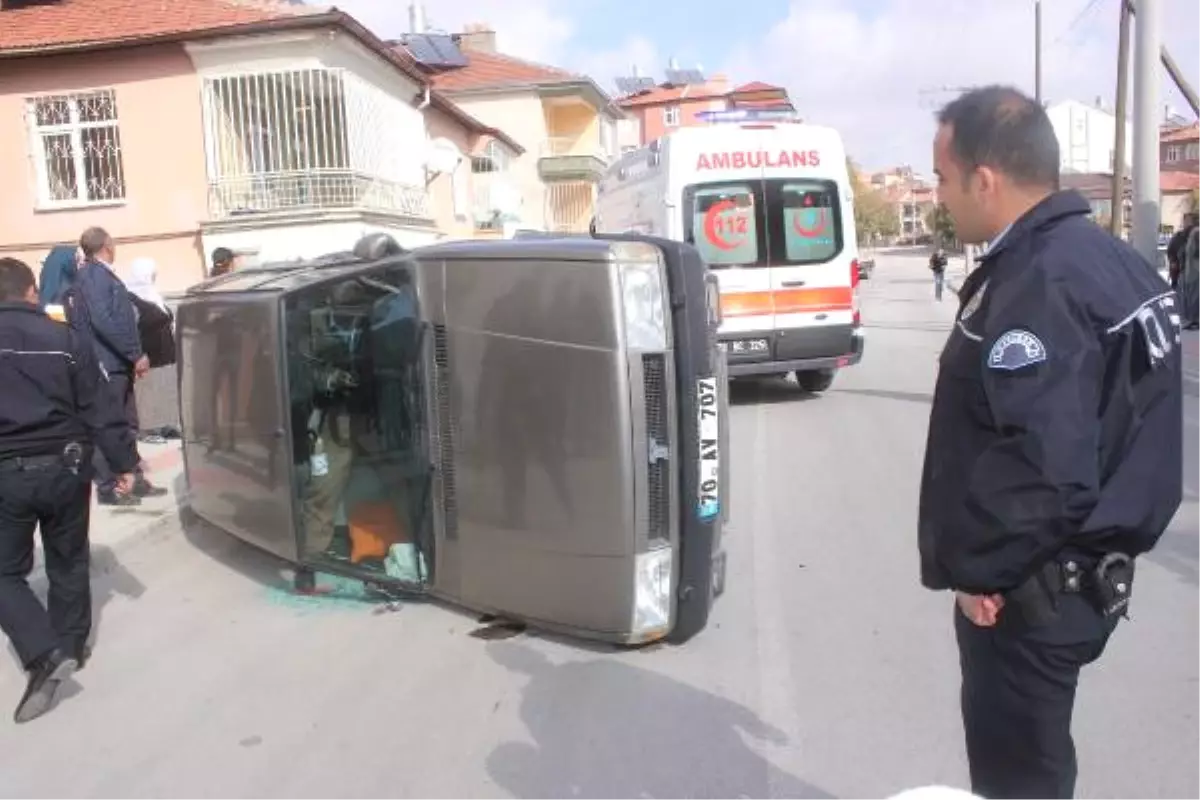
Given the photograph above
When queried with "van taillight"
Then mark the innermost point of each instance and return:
(854, 279)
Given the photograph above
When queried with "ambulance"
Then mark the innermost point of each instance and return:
(769, 204)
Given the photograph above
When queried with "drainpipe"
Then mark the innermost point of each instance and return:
(428, 99)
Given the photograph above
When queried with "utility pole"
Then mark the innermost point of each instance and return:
(1037, 50)
(1117, 217)
(1173, 70)
(1146, 211)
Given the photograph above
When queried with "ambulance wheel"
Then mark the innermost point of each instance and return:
(816, 380)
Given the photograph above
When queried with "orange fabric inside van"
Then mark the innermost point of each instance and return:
(375, 527)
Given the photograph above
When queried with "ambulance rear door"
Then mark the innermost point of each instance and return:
(725, 218)
(812, 272)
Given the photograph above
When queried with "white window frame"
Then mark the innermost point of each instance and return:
(495, 154)
(1192, 151)
(74, 128)
(1174, 153)
(670, 116)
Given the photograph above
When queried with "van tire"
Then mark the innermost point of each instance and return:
(815, 381)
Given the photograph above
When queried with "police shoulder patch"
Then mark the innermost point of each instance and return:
(1016, 349)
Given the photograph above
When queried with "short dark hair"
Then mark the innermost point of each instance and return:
(222, 255)
(16, 279)
(1002, 128)
(93, 241)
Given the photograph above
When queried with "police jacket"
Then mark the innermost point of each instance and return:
(52, 392)
(1056, 427)
(110, 317)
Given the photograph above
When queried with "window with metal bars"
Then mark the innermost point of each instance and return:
(77, 145)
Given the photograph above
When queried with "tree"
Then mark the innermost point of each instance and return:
(942, 224)
(874, 216)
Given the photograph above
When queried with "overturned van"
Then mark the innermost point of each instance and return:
(532, 428)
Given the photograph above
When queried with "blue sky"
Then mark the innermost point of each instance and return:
(865, 66)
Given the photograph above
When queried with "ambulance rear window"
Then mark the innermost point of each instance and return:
(724, 222)
(811, 229)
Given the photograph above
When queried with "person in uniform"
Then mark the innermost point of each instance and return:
(1054, 454)
(53, 410)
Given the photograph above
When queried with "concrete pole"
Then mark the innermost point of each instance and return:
(1037, 51)
(1122, 113)
(1146, 211)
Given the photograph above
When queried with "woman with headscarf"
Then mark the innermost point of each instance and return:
(58, 273)
(156, 323)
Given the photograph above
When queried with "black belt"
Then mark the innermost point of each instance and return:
(71, 457)
(1107, 583)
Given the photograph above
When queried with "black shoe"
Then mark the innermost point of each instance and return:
(111, 498)
(144, 488)
(81, 654)
(44, 679)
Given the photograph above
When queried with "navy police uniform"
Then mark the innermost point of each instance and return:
(1054, 458)
(53, 408)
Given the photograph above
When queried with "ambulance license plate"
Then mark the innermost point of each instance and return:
(709, 485)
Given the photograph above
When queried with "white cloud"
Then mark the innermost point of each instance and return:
(868, 73)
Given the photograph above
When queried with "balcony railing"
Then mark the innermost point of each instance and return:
(314, 190)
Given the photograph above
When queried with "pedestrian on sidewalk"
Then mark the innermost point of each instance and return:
(937, 263)
(1189, 280)
(1054, 454)
(100, 302)
(1177, 248)
(53, 411)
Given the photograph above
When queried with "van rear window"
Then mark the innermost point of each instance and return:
(774, 222)
(724, 220)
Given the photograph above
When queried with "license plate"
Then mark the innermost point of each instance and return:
(708, 420)
(745, 347)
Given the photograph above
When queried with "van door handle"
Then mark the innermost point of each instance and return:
(793, 283)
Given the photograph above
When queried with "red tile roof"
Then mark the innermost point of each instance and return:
(44, 27)
(494, 71)
(673, 94)
(757, 86)
(1174, 181)
(1185, 133)
(26, 25)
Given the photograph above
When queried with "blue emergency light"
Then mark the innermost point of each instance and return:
(749, 115)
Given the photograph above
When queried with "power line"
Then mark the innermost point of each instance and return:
(1087, 9)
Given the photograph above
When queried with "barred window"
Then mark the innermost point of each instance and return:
(77, 147)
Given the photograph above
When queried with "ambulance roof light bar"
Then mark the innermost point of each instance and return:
(749, 115)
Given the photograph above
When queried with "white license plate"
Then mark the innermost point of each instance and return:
(709, 421)
(740, 347)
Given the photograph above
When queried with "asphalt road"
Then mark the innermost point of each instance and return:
(826, 671)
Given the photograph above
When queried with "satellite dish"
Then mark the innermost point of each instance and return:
(442, 155)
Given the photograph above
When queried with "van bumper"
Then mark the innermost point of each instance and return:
(792, 350)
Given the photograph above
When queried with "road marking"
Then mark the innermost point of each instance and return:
(776, 683)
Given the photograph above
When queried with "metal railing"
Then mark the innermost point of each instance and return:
(564, 146)
(314, 190)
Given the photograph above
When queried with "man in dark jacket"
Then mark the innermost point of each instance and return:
(109, 316)
(1055, 450)
(1177, 248)
(52, 411)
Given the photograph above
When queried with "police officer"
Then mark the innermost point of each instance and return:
(52, 410)
(1054, 455)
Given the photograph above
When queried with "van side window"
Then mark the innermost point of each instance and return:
(724, 222)
(808, 221)
(357, 380)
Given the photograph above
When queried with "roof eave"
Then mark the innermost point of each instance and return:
(542, 88)
(332, 18)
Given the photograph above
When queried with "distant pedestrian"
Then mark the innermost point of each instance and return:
(1055, 449)
(937, 263)
(53, 412)
(1189, 281)
(1177, 248)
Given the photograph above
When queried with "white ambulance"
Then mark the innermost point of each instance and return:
(770, 206)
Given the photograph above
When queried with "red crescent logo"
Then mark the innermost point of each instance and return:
(816, 230)
(711, 232)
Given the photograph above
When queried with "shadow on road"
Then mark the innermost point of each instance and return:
(766, 391)
(109, 578)
(602, 728)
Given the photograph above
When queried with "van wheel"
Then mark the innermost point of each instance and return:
(816, 380)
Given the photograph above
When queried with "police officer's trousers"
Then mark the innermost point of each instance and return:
(324, 493)
(1018, 693)
(47, 495)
